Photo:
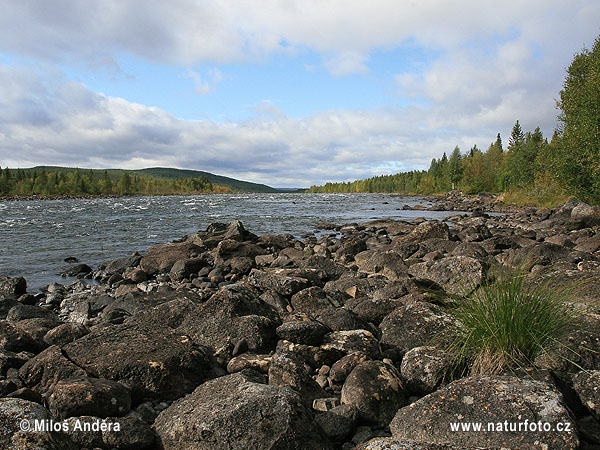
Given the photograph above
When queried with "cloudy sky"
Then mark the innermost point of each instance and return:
(288, 92)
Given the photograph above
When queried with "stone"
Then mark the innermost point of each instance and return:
(48, 368)
(147, 353)
(376, 390)
(281, 281)
(245, 361)
(20, 312)
(232, 314)
(13, 287)
(427, 230)
(587, 386)
(160, 258)
(78, 270)
(487, 400)
(354, 341)
(338, 423)
(307, 332)
(455, 274)
(15, 340)
(341, 368)
(424, 369)
(65, 333)
(235, 412)
(312, 301)
(287, 370)
(16, 413)
(415, 325)
(86, 396)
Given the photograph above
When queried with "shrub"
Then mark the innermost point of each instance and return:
(509, 319)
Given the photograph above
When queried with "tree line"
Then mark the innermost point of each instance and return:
(20, 182)
(568, 165)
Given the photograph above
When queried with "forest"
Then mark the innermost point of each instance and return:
(27, 182)
(531, 169)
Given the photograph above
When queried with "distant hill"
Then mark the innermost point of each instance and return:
(166, 173)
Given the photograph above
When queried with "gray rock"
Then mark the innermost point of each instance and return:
(354, 341)
(338, 423)
(160, 258)
(415, 325)
(312, 301)
(86, 396)
(235, 412)
(376, 390)
(20, 312)
(589, 215)
(15, 340)
(423, 369)
(282, 281)
(307, 332)
(48, 368)
(15, 412)
(287, 370)
(232, 314)
(147, 353)
(487, 400)
(456, 274)
(587, 386)
(341, 368)
(13, 287)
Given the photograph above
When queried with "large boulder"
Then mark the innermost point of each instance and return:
(88, 396)
(287, 370)
(18, 419)
(48, 368)
(147, 353)
(587, 385)
(13, 287)
(415, 325)
(236, 412)
(586, 214)
(424, 369)
(160, 258)
(456, 274)
(283, 281)
(376, 390)
(15, 340)
(427, 230)
(495, 403)
(233, 314)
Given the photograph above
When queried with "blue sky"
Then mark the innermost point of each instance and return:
(287, 93)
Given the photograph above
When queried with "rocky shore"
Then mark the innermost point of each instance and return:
(228, 340)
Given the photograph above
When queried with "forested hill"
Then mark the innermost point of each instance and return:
(58, 181)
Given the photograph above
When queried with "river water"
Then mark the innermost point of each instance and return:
(36, 236)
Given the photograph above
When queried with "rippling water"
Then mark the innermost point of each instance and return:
(36, 236)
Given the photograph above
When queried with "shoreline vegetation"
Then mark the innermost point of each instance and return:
(531, 170)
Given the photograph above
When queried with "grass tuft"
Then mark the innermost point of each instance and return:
(507, 321)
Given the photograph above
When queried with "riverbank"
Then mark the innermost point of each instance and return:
(226, 339)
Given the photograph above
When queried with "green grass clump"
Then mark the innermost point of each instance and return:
(507, 321)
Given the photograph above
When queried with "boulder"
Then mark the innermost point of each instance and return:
(147, 353)
(586, 214)
(65, 333)
(260, 363)
(16, 414)
(279, 280)
(47, 368)
(488, 400)
(119, 266)
(20, 312)
(376, 390)
(307, 332)
(342, 367)
(423, 369)
(13, 287)
(427, 230)
(86, 396)
(236, 412)
(354, 341)
(183, 268)
(160, 258)
(287, 370)
(456, 274)
(123, 433)
(15, 340)
(587, 386)
(78, 270)
(234, 313)
(338, 423)
(312, 301)
(415, 325)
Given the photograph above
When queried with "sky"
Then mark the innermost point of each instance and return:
(289, 93)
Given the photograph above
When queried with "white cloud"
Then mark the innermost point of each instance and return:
(205, 85)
